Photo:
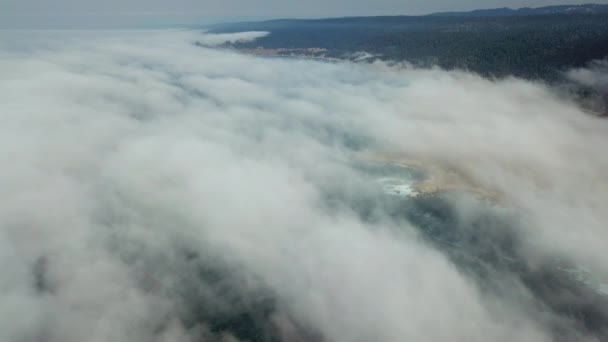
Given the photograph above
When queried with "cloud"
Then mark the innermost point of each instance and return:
(155, 190)
(593, 76)
(210, 40)
(591, 85)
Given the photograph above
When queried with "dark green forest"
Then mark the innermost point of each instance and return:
(528, 46)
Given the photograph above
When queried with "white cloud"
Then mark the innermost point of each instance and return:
(210, 40)
(595, 76)
(135, 162)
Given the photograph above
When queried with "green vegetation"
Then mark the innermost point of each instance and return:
(528, 46)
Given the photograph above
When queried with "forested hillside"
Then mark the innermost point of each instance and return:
(528, 46)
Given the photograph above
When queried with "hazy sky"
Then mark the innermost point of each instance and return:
(67, 13)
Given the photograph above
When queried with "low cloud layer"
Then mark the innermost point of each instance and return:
(154, 189)
(593, 80)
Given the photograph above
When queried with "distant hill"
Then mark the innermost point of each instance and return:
(539, 43)
(527, 11)
(565, 10)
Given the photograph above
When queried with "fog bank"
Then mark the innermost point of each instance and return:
(155, 189)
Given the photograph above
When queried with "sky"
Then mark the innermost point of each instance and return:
(150, 184)
(159, 13)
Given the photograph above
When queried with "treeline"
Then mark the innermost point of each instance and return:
(523, 46)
